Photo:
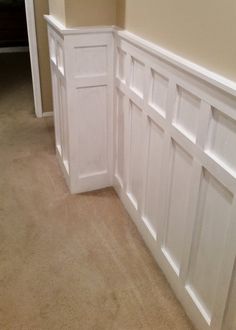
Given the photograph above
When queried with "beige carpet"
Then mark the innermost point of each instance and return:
(66, 262)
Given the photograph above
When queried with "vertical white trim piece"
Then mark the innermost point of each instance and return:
(30, 18)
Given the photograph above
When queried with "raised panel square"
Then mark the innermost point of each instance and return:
(121, 55)
(159, 90)
(187, 113)
(137, 77)
(91, 121)
(221, 144)
(90, 61)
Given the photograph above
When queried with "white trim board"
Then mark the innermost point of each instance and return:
(30, 18)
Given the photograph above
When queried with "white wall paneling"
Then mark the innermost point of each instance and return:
(163, 133)
(178, 180)
(82, 75)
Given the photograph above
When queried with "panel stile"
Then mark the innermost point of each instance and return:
(203, 125)
(227, 276)
(191, 216)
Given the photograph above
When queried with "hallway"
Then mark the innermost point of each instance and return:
(66, 261)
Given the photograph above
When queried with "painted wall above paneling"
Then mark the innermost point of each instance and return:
(73, 13)
(201, 31)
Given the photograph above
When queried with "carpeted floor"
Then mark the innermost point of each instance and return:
(66, 262)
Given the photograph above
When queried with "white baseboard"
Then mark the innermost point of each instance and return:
(4, 50)
(48, 114)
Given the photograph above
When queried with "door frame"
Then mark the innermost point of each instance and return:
(34, 60)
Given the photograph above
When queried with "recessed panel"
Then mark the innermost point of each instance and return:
(159, 92)
(178, 202)
(90, 61)
(61, 116)
(212, 223)
(120, 131)
(56, 110)
(60, 59)
(92, 130)
(137, 77)
(52, 46)
(64, 124)
(187, 113)
(121, 55)
(135, 155)
(152, 203)
(222, 140)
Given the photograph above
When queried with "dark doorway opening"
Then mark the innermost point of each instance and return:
(13, 26)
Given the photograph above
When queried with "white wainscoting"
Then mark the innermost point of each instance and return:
(163, 132)
(175, 171)
(82, 78)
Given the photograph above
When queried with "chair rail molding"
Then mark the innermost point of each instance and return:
(162, 131)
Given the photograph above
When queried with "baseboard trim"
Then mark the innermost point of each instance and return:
(48, 114)
(4, 50)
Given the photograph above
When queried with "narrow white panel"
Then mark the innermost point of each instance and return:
(56, 111)
(60, 59)
(152, 205)
(92, 130)
(187, 113)
(135, 155)
(159, 92)
(65, 128)
(90, 61)
(61, 116)
(119, 170)
(52, 48)
(137, 77)
(213, 217)
(121, 64)
(222, 140)
(178, 202)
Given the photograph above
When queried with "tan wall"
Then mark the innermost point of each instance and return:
(41, 8)
(57, 9)
(201, 31)
(90, 12)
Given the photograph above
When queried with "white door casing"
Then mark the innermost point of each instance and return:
(33, 49)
